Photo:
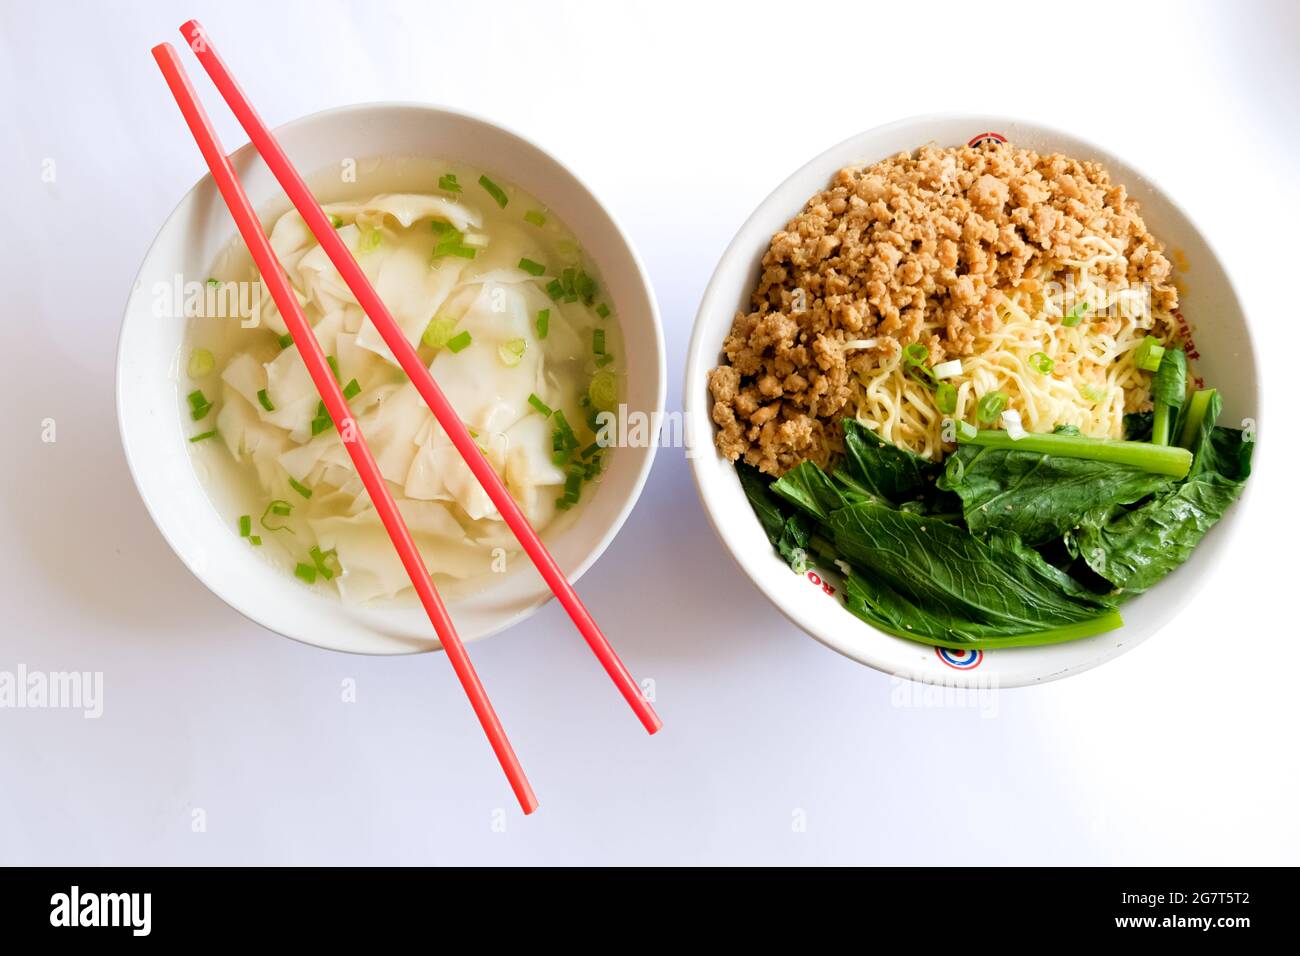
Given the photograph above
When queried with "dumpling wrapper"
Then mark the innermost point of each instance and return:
(409, 208)
(371, 567)
(290, 388)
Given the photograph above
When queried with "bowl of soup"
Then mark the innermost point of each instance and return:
(520, 292)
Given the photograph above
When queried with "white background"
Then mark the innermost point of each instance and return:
(681, 117)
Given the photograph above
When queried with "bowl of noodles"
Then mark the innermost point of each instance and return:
(972, 401)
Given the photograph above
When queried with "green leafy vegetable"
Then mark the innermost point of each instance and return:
(1133, 549)
(951, 573)
(884, 470)
(1039, 496)
(1168, 392)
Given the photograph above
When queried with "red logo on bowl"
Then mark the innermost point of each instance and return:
(987, 138)
(821, 582)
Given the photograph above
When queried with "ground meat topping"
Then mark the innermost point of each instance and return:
(918, 239)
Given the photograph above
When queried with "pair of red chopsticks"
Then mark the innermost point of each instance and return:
(273, 275)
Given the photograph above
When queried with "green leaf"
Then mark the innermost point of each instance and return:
(1039, 497)
(884, 608)
(1135, 549)
(808, 487)
(765, 504)
(1137, 426)
(951, 573)
(882, 469)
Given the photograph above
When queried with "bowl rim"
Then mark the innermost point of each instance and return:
(697, 365)
(660, 390)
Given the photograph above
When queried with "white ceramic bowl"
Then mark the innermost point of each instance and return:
(1227, 362)
(149, 410)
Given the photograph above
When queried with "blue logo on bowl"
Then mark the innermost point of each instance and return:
(960, 660)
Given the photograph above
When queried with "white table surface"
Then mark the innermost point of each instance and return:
(682, 116)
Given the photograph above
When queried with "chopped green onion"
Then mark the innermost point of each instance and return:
(280, 509)
(352, 389)
(264, 400)
(201, 363)
(590, 450)
(555, 289)
(214, 282)
(334, 366)
(598, 341)
(602, 310)
(543, 323)
(448, 183)
(1149, 354)
(326, 562)
(916, 353)
(371, 239)
(563, 435)
(512, 352)
(542, 408)
(560, 457)
(990, 407)
(531, 267)
(604, 360)
(336, 221)
(1093, 393)
(285, 340)
(255, 540)
(965, 431)
(1075, 315)
(573, 484)
(535, 218)
(245, 525)
(199, 405)
(585, 286)
(1041, 362)
(299, 487)
(495, 191)
(318, 425)
(460, 342)
(440, 330)
(947, 369)
(569, 281)
(603, 391)
(306, 572)
(945, 397)
(451, 241)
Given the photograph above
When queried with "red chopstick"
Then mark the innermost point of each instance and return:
(273, 275)
(319, 224)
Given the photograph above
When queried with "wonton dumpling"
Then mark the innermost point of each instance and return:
(371, 567)
(474, 379)
(413, 290)
(409, 208)
(289, 385)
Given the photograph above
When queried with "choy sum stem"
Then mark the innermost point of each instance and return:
(1197, 406)
(1158, 459)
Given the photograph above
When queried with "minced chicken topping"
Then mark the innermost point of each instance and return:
(911, 248)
